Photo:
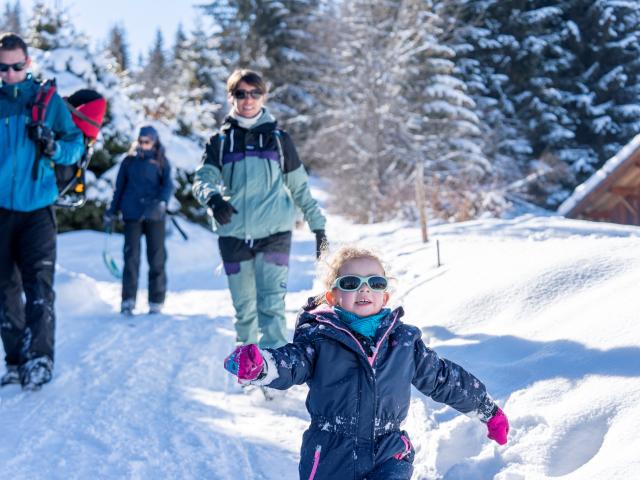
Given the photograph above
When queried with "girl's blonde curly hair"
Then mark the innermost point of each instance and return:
(331, 265)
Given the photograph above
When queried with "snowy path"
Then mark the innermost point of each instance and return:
(141, 397)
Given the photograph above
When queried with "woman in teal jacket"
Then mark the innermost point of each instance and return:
(252, 180)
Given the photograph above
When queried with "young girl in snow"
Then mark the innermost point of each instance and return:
(359, 360)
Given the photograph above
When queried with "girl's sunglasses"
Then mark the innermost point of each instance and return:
(242, 94)
(351, 283)
(16, 67)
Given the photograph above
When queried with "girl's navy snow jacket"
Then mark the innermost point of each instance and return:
(359, 391)
(141, 185)
(18, 189)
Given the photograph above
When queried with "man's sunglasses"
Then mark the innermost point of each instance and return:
(351, 283)
(16, 67)
(242, 94)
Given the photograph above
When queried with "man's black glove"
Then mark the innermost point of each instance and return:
(108, 220)
(47, 141)
(222, 210)
(321, 242)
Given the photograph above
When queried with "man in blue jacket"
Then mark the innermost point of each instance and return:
(27, 219)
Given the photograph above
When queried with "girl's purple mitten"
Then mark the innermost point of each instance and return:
(245, 362)
(498, 427)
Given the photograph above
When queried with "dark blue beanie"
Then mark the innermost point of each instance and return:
(149, 132)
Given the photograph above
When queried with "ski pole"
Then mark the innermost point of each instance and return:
(108, 260)
(182, 232)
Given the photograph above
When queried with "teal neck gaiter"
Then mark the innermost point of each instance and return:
(366, 326)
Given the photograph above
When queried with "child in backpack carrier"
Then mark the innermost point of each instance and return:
(359, 360)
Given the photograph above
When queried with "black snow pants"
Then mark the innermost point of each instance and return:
(154, 232)
(27, 264)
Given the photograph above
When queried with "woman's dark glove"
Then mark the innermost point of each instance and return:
(108, 220)
(155, 212)
(222, 210)
(321, 242)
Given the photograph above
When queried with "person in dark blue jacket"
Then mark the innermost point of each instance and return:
(359, 360)
(143, 189)
(28, 191)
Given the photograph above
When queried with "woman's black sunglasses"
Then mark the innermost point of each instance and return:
(242, 94)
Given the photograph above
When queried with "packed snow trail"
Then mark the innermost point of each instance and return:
(543, 310)
(139, 397)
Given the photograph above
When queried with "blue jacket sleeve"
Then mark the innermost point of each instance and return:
(167, 183)
(447, 382)
(291, 364)
(68, 137)
(121, 183)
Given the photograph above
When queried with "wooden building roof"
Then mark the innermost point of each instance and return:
(612, 194)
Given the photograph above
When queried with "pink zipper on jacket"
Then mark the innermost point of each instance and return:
(371, 359)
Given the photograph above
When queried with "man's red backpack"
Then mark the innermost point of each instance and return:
(87, 109)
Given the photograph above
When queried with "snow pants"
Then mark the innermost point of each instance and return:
(328, 455)
(154, 232)
(257, 273)
(27, 264)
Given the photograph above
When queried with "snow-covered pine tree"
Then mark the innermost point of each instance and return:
(44, 27)
(483, 53)
(119, 48)
(195, 99)
(179, 43)
(292, 56)
(358, 133)
(156, 79)
(542, 80)
(156, 67)
(234, 33)
(575, 83)
(609, 53)
(12, 18)
(522, 69)
(180, 89)
(437, 115)
(324, 55)
(198, 90)
(393, 101)
(279, 39)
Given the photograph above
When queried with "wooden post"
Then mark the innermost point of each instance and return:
(421, 201)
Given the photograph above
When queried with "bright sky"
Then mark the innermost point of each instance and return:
(140, 18)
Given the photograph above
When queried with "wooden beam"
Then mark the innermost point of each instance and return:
(629, 207)
(633, 192)
(600, 214)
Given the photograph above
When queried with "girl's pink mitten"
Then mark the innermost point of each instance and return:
(245, 362)
(498, 427)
